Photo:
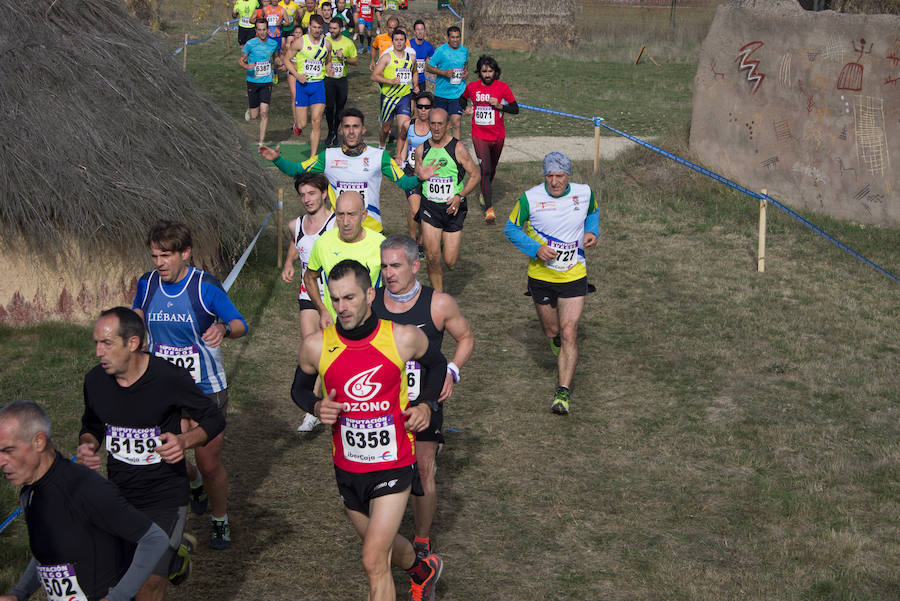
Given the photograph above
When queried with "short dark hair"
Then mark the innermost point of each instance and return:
(324, 4)
(425, 94)
(130, 324)
(353, 112)
(170, 236)
(317, 180)
(354, 268)
(419, 22)
(399, 31)
(30, 417)
(488, 60)
(453, 28)
(317, 19)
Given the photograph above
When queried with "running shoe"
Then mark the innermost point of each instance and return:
(199, 500)
(560, 404)
(309, 423)
(555, 345)
(425, 590)
(221, 535)
(297, 130)
(180, 568)
(422, 550)
(489, 216)
(275, 79)
(247, 115)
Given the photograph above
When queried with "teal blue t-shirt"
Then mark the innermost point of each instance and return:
(260, 53)
(446, 57)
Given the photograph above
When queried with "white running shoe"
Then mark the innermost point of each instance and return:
(247, 115)
(309, 423)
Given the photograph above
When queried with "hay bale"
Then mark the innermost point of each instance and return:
(102, 135)
(520, 23)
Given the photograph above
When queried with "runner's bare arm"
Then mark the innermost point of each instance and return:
(378, 74)
(310, 280)
(472, 170)
(446, 314)
(287, 274)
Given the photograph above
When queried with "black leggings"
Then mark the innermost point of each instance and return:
(335, 99)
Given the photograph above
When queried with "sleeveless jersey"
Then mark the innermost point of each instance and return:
(401, 68)
(304, 242)
(559, 223)
(313, 57)
(448, 180)
(413, 140)
(175, 325)
(367, 376)
(418, 315)
(273, 15)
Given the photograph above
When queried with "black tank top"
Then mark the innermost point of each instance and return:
(419, 315)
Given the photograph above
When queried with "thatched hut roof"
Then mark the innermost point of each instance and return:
(520, 23)
(102, 133)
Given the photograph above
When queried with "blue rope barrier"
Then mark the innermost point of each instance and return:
(240, 264)
(600, 122)
(11, 517)
(209, 37)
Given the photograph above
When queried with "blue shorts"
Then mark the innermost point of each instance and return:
(310, 93)
(451, 105)
(278, 41)
(366, 24)
(391, 106)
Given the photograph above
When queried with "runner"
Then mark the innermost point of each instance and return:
(354, 166)
(553, 224)
(348, 240)
(361, 361)
(396, 72)
(345, 14)
(326, 11)
(291, 9)
(343, 53)
(383, 42)
(243, 11)
(418, 131)
(133, 403)
(403, 300)
(314, 50)
(365, 19)
(490, 99)
(78, 522)
(258, 61)
(450, 66)
(181, 306)
(444, 206)
(305, 230)
(310, 8)
(424, 51)
(274, 16)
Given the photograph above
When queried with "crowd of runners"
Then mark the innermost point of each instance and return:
(370, 364)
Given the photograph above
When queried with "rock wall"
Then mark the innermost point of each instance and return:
(804, 104)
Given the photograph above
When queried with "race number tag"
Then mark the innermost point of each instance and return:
(262, 69)
(365, 10)
(338, 69)
(134, 446)
(404, 76)
(457, 76)
(60, 583)
(187, 357)
(440, 189)
(566, 255)
(312, 68)
(392, 5)
(420, 65)
(484, 115)
(245, 22)
(411, 156)
(273, 20)
(413, 379)
(353, 187)
(369, 440)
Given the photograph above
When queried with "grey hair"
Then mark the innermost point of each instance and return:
(31, 418)
(402, 242)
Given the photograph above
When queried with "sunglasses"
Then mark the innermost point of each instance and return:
(423, 106)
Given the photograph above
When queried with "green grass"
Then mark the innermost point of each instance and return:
(732, 436)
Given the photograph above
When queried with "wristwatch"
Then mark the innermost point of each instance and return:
(227, 330)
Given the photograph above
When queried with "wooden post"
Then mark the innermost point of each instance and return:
(462, 31)
(280, 226)
(184, 53)
(596, 148)
(761, 252)
(227, 35)
(640, 54)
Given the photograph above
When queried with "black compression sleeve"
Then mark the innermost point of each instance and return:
(302, 390)
(434, 365)
(463, 102)
(512, 108)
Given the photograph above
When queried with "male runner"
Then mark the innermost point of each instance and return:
(364, 20)
(348, 240)
(553, 224)
(326, 11)
(258, 60)
(396, 72)
(418, 131)
(310, 8)
(423, 48)
(274, 16)
(80, 527)
(133, 403)
(345, 14)
(383, 42)
(188, 316)
(308, 60)
(343, 53)
(353, 167)
(243, 10)
(305, 230)
(490, 99)
(450, 66)
(444, 206)
(361, 361)
(292, 10)
(403, 300)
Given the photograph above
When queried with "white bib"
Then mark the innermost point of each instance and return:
(365, 10)
(420, 65)
(457, 76)
(134, 446)
(312, 68)
(338, 69)
(404, 76)
(566, 255)
(413, 379)
(245, 22)
(262, 69)
(440, 189)
(273, 20)
(369, 440)
(187, 357)
(60, 583)
(352, 186)
(484, 115)
(391, 5)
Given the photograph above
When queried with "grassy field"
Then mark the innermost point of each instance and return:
(733, 435)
